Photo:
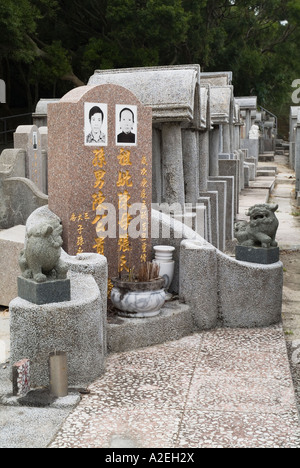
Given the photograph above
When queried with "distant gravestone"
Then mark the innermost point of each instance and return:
(100, 166)
(28, 137)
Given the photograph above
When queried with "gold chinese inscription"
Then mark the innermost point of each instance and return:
(124, 158)
(98, 199)
(79, 219)
(144, 211)
(99, 158)
(124, 181)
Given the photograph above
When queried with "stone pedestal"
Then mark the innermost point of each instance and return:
(231, 168)
(214, 214)
(226, 139)
(11, 243)
(214, 150)
(96, 266)
(241, 157)
(74, 327)
(198, 282)
(44, 293)
(220, 187)
(172, 163)
(156, 166)
(203, 160)
(229, 214)
(190, 165)
(257, 255)
(250, 295)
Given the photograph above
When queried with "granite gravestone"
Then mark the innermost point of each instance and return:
(100, 174)
(28, 137)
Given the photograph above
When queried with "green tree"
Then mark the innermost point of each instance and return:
(50, 46)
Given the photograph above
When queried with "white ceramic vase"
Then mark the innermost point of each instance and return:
(164, 258)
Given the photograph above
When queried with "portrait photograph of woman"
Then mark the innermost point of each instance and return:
(126, 125)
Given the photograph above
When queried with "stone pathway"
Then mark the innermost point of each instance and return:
(224, 388)
(291, 295)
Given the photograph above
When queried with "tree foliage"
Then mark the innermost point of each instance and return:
(50, 46)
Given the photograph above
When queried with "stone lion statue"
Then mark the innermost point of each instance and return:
(262, 228)
(40, 260)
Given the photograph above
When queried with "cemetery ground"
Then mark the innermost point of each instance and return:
(223, 388)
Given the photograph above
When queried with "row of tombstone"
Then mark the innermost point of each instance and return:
(189, 149)
(295, 146)
(168, 136)
(23, 175)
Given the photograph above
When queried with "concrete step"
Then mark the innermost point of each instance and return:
(266, 157)
(286, 180)
(264, 167)
(173, 323)
(265, 173)
(267, 183)
(250, 197)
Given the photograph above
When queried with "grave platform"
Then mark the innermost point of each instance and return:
(125, 334)
(263, 182)
(264, 172)
(249, 197)
(267, 157)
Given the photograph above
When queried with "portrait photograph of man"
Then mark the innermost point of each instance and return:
(95, 124)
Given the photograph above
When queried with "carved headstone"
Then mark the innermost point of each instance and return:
(100, 166)
(28, 137)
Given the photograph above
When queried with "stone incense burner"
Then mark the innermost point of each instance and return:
(136, 299)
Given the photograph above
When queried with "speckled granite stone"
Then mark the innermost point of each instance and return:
(257, 255)
(75, 327)
(28, 137)
(83, 179)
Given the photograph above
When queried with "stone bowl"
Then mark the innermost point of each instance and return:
(138, 300)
